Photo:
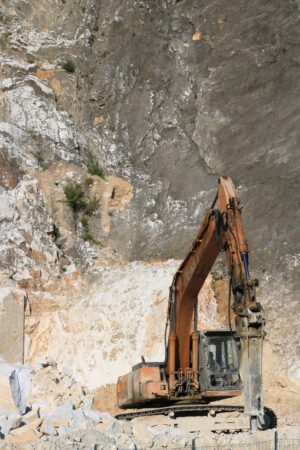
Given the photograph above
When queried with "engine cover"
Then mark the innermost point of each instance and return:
(146, 383)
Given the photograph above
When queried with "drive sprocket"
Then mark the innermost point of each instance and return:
(269, 420)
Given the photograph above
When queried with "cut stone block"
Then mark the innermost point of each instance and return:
(12, 306)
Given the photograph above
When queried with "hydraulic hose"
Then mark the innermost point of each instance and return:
(245, 259)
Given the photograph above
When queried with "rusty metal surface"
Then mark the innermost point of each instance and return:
(140, 386)
(222, 394)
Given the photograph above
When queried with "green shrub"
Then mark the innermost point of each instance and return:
(88, 237)
(96, 27)
(75, 197)
(69, 66)
(56, 232)
(84, 222)
(88, 181)
(91, 206)
(39, 157)
(93, 167)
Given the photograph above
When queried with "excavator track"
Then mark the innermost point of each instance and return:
(180, 410)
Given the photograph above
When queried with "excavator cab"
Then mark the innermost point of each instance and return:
(219, 364)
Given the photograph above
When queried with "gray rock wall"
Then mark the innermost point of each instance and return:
(169, 95)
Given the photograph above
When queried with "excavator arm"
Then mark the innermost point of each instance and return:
(221, 230)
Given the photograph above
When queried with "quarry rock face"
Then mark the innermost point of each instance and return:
(143, 105)
(110, 330)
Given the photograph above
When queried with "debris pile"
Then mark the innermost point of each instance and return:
(40, 401)
(46, 407)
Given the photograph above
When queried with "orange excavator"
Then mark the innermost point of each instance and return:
(204, 366)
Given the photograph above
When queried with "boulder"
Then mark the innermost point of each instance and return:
(79, 419)
(31, 416)
(59, 423)
(114, 428)
(20, 383)
(47, 428)
(6, 400)
(88, 403)
(15, 385)
(95, 416)
(64, 412)
(9, 420)
(64, 430)
(27, 433)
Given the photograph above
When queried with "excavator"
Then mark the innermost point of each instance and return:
(203, 366)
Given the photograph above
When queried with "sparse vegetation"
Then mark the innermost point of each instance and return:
(91, 206)
(69, 66)
(56, 236)
(110, 213)
(75, 197)
(96, 27)
(40, 158)
(56, 232)
(30, 59)
(87, 236)
(94, 168)
(88, 181)
(85, 223)
(91, 39)
(112, 128)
